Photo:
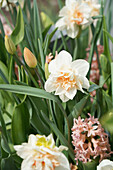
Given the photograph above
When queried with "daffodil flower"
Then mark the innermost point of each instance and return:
(66, 77)
(105, 165)
(40, 153)
(74, 15)
(3, 3)
(95, 7)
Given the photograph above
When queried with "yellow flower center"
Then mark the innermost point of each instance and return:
(78, 17)
(66, 81)
(43, 142)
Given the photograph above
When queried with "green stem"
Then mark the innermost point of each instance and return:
(65, 115)
(32, 78)
(112, 79)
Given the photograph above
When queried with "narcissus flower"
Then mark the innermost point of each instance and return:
(40, 153)
(90, 140)
(95, 7)
(105, 165)
(74, 14)
(66, 77)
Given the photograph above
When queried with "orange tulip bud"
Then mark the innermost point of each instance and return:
(30, 59)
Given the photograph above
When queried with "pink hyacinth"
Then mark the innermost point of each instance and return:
(89, 140)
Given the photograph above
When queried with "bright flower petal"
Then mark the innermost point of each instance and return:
(81, 66)
(63, 97)
(71, 93)
(49, 85)
(62, 60)
(105, 165)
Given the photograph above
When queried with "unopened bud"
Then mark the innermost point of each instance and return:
(30, 59)
(9, 45)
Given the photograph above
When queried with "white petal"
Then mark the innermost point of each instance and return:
(61, 148)
(64, 164)
(59, 91)
(80, 86)
(63, 98)
(50, 84)
(23, 150)
(27, 164)
(61, 24)
(63, 11)
(81, 66)
(32, 140)
(50, 138)
(73, 31)
(71, 93)
(62, 60)
(85, 82)
(105, 165)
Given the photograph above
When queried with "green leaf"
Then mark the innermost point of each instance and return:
(8, 163)
(46, 21)
(18, 33)
(105, 64)
(109, 35)
(60, 136)
(4, 131)
(60, 3)
(47, 41)
(105, 40)
(3, 52)
(87, 166)
(94, 42)
(11, 70)
(36, 93)
(93, 87)
(1, 28)
(20, 124)
(41, 54)
(107, 121)
(37, 105)
(37, 23)
(77, 109)
(112, 79)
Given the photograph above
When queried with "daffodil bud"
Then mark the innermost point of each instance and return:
(30, 59)
(10, 47)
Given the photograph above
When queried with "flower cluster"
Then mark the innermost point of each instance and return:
(41, 153)
(76, 14)
(66, 77)
(89, 139)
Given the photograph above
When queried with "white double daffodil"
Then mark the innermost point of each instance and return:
(66, 77)
(105, 165)
(3, 3)
(95, 7)
(40, 153)
(77, 14)
(74, 15)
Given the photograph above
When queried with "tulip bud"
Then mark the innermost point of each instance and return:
(30, 59)
(10, 47)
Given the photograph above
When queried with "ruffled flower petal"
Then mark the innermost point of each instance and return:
(81, 66)
(105, 165)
